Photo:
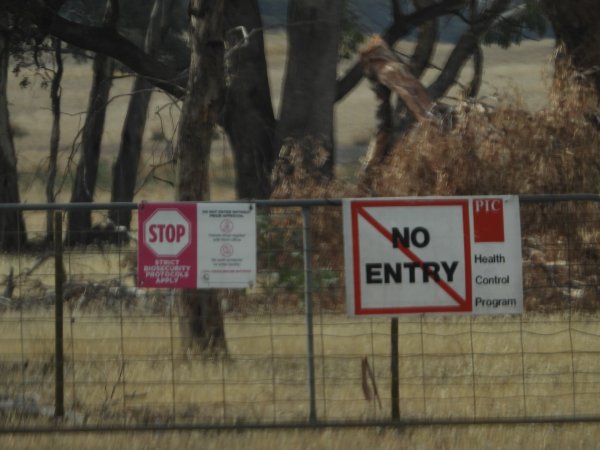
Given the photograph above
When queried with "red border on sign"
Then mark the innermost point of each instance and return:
(358, 208)
(187, 256)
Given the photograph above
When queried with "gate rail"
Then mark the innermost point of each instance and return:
(452, 370)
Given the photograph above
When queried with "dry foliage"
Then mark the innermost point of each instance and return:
(507, 150)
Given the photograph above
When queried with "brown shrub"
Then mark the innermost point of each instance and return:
(505, 151)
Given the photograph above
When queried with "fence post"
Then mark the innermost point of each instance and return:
(395, 394)
(59, 407)
(306, 253)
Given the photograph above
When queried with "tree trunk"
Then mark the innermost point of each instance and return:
(249, 120)
(80, 221)
(427, 38)
(55, 92)
(124, 173)
(127, 162)
(423, 53)
(576, 25)
(309, 90)
(79, 231)
(12, 226)
(201, 108)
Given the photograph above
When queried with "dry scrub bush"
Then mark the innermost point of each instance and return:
(299, 173)
(506, 151)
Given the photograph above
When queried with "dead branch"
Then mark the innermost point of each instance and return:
(367, 376)
(381, 65)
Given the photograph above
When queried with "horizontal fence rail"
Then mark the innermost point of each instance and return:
(293, 357)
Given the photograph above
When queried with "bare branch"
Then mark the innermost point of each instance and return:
(105, 40)
(465, 47)
(396, 9)
(472, 90)
(426, 41)
(397, 30)
(381, 64)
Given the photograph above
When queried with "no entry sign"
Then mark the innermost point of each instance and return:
(433, 255)
(196, 245)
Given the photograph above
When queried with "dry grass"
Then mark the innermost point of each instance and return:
(496, 437)
(96, 339)
(450, 367)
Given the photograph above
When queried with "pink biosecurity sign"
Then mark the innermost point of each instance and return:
(167, 245)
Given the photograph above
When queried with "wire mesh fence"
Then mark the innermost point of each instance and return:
(127, 362)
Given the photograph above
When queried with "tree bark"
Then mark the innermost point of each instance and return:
(309, 90)
(79, 231)
(576, 25)
(249, 120)
(80, 221)
(125, 168)
(12, 226)
(201, 108)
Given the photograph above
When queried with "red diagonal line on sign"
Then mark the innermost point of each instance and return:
(414, 258)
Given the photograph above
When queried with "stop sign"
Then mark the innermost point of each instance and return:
(167, 232)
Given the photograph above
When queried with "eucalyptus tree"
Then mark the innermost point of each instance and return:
(248, 116)
(84, 184)
(199, 116)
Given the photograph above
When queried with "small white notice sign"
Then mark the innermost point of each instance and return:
(226, 245)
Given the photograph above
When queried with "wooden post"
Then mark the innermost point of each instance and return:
(310, 352)
(59, 410)
(395, 370)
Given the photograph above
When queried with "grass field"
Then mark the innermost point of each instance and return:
(265, 375)
(127, 363)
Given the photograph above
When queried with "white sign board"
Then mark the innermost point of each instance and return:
(433, 255)
(196, 245)
(227, 245)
